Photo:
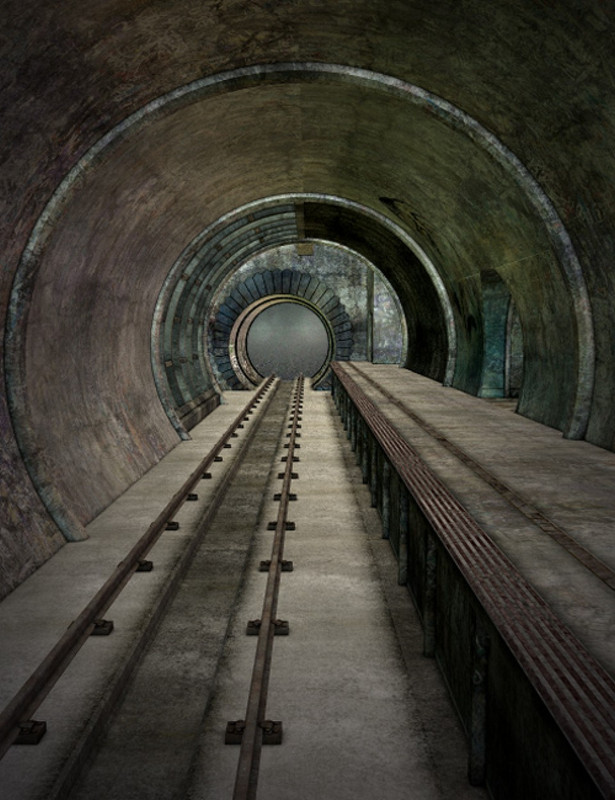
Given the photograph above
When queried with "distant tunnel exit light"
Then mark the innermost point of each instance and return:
(287, 339)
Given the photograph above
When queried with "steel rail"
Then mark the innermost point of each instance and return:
(29, 697)
(531, 512)
(246, 780)
(574, 687)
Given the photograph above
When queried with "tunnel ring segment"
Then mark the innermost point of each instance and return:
(194, 280)
(231, 80)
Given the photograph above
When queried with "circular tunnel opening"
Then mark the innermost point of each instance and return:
(288, 339)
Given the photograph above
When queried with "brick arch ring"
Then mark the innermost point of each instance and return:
(240, 308)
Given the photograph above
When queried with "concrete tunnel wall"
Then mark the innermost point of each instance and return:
(536, 75)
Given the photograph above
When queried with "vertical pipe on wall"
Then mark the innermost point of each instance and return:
(363, 451)
(369, 317)
(478, 711)
(402, 567)
(373, 472)
(386, 499)
(429, 610)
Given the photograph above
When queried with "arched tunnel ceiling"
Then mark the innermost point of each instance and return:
(104, 248)
(538, 75)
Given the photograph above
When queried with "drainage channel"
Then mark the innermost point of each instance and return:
(514, 499)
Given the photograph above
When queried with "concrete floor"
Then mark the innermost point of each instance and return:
(364, 713)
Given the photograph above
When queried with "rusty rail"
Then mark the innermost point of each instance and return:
(41, 681)
(251, 742)
(578, 693)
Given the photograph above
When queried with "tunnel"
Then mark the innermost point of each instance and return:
(198, 195)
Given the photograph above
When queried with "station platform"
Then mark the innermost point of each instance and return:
(547, 502)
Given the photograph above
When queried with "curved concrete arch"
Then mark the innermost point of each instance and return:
(412, 245)
(191, 283)
(234, 80)
(185, 293)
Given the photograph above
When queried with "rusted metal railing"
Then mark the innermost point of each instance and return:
(578, 693)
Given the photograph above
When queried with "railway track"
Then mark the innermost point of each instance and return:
(274, 625)
(15, 722)
(255, 728)
(206, 690)
(161, 728)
